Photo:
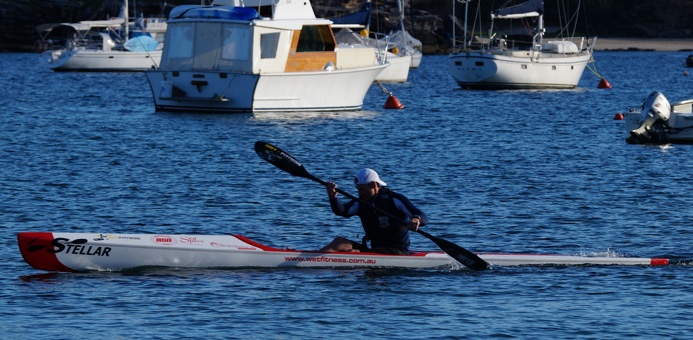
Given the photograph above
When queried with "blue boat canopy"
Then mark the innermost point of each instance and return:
(531, 8)
(215, 12)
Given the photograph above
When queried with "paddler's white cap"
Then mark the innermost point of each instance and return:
(366, 176)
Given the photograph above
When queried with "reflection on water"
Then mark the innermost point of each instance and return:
(312, 115)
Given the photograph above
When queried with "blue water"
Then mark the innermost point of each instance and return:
(512, 171)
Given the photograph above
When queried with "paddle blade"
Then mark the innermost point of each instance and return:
(463, 256)
(280, 158)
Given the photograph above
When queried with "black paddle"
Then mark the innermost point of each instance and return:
(283, 160)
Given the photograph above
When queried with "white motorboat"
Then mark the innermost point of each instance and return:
(255, 56)
(658, 122)
(118, 44)
(509, 59)
(78, 252)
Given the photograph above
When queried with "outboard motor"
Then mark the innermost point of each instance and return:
(654, 118)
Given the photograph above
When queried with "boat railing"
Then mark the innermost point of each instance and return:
(381, 43)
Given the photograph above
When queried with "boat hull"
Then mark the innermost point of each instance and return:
(101, 61)
(265, 92)
(416, 59)
(77, 252)
(519, 70)
(397, 71)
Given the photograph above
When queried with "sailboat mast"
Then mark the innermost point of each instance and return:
(127, 20)
(368, 23)
(466, 12)
(401, 24)
(540, 27)
(454, 25)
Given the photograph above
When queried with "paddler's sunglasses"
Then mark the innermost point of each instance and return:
(364, 187)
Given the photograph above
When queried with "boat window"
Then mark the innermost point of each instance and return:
(236, 45)
(479, 63)
(268, 45)
(553, 67)
(266, 11)
(207, 40)
(315, 38)
(524, 67)
(182, 34)
(179, 55)
(207, 46)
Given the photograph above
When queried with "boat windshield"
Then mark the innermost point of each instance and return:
(315, 39)
(208, 46)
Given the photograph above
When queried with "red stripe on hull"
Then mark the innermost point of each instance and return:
(36, 249)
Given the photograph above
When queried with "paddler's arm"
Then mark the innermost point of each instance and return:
(416, 217)
(335, 204)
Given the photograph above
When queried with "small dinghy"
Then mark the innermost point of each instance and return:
(658, 122)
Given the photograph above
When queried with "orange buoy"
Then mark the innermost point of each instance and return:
(603, 84)
(392, 102)
(618, 116)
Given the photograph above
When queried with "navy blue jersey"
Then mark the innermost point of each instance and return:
(380, 229)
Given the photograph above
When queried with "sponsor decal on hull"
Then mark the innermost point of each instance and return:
(164, 240)
(103, 237)
(40, 250)
(75, 247)
(192, 240)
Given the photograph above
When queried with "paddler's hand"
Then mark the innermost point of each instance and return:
(414, 223)
(331, 190)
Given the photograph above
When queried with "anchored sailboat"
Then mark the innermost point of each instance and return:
(520, 58)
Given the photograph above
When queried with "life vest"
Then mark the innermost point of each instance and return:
(380, 229)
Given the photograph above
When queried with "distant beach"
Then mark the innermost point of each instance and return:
(632, 44)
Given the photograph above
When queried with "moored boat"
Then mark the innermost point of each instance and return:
(77, 252)
(409, 46)
(258, 55)
(115, 45)
(396, 49)
(689, 60)
(524, 59)
(657, 121)
(382, 45)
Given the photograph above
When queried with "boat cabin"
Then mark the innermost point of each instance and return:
(257, 37)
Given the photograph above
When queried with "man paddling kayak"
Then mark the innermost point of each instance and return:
(387, 235)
